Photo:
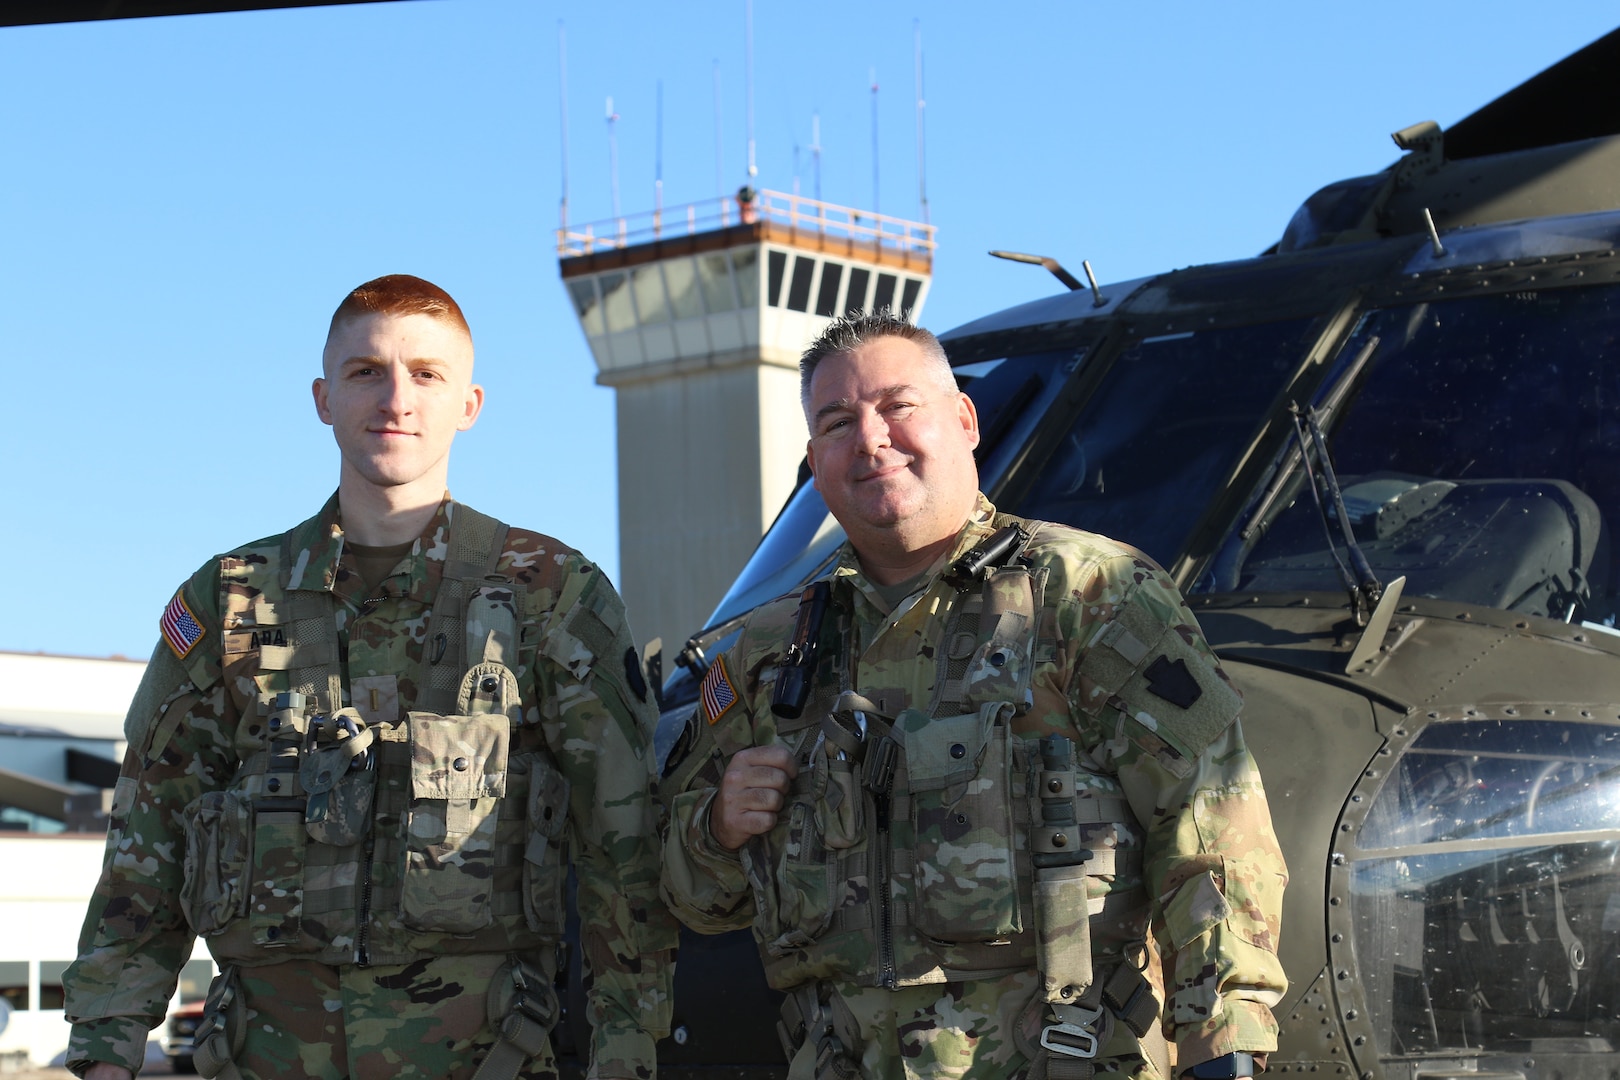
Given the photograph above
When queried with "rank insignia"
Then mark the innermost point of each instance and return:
(717, 693)
(180, 627)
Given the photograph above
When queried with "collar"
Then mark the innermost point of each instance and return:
(315, 560)
(980, 523)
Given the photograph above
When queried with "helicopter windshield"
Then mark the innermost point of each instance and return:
(1480, 458)
(1170, 421)
(1481, 889)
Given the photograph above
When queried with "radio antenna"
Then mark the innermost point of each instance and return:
(658, 152)
(562, 98)
(719, 139)
(872, 73)
(815, 150)
(922, 169)
(748, 19)
(613, 153)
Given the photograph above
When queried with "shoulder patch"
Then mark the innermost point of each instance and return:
(180, 628)
(717, 694)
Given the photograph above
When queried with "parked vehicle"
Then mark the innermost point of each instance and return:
(177, 1035)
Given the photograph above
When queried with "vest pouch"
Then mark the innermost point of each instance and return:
(276, 903)
(959, 772)
(804, 883)
(340, 779)
(458, 778)
(219, 843)
(545, 853)
(842, 806)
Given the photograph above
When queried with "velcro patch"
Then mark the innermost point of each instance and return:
(633, 676)
(180, 627)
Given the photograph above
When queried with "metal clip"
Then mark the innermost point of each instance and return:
(1071, 1039)
(348, 726)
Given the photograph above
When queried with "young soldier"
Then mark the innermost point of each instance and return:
(957, 787)
(360, 758)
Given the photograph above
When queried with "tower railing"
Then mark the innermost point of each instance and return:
(795, 213)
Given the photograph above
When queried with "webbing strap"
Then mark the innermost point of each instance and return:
(985, 616)
(1126, 995)
(813, 1013)
(220, 1035)
(476, 541)
(520, 1038)
(311, 617)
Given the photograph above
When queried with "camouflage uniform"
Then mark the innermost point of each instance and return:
(917, 919)
(375, 887)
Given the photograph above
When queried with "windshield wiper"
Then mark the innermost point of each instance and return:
(1324, 412)
(1364, 587)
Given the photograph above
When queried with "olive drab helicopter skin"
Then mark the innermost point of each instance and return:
(1383, 462)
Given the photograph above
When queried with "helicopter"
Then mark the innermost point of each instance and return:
(1382, 460)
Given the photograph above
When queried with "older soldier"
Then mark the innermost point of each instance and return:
(358, 761)
(956, 786)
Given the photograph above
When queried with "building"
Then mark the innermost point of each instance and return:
(697, 317)
(60, 753)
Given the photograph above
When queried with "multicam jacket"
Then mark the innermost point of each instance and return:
(1170, 803)
(247, 817)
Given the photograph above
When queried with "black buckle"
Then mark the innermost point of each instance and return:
(881, 758)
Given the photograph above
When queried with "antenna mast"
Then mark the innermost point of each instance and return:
(562, 98)
(719, 140)
(613, 153)
(922, 170)
(815, 149)
(872, 72)
(748, 19)
(658, 154)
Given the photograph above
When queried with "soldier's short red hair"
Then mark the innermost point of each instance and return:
(401, 294)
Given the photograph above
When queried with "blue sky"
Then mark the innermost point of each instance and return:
(186, 199)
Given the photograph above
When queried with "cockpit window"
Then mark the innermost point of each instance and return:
(1170, 421)
(1479, 457)
(1482, 891)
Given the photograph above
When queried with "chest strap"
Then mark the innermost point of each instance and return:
(311, 662)
(476, 541)
(1000, 602)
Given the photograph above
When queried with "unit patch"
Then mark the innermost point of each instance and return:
(180, 627)
(717, 693)
(1171, 680)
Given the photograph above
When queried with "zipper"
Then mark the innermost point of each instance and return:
(882, 856)
(362, 955)
(881, 758)
(362, 935)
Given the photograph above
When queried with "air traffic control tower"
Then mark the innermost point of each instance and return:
(696, 317)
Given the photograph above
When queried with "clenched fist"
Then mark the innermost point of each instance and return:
(752, 792)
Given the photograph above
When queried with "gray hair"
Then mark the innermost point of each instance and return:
(849, 332)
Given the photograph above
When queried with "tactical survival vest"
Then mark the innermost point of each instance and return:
(929, 842)
(348, 838)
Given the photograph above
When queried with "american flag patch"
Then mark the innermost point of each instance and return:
(180, 627)
(717, 693)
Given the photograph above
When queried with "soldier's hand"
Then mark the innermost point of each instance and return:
(106, 1070)
(751, 793)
